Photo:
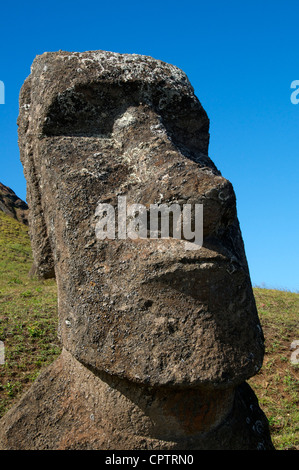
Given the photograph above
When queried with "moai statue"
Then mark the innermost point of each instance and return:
(158, 338)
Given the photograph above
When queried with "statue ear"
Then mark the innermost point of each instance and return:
(43, 265)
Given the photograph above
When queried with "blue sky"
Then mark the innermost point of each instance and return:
(241, 58)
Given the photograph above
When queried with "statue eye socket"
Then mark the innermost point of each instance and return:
(87, 111)
(187, 124)
(92, 110)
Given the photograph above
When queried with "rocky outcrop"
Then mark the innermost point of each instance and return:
(12, 205)
(159, 336)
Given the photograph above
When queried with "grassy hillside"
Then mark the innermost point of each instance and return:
(276, 385)
(28, 326)
(28, 314)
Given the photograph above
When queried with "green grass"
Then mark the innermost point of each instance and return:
(28, 315)
(28, 328)
(276, 385)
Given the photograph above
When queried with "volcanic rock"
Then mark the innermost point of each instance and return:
(159, 336)
(12, 205)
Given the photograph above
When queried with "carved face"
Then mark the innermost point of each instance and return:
(102, 125)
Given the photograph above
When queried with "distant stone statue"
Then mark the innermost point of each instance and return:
(158, 337)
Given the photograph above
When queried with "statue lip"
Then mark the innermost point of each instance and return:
(195, 271)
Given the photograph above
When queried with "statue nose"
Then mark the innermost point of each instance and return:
(142, 121)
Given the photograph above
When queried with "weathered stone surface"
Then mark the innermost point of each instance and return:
(72, 408)
(142, 314)
(12, 205)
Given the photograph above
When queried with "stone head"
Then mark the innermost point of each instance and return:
(97, 126)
